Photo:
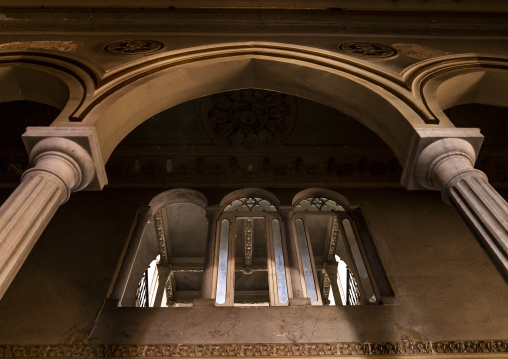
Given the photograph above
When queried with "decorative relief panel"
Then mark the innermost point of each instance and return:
(256, 350)
(366, 49)
(248, 118)
(133, 47)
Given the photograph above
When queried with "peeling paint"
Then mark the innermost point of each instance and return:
(419, 52)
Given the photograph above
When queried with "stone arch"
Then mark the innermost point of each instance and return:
(155, 236)
(250, 192)
(132, 94)
(457, 80)
(321, 192)
(175, 196)
(64, 82)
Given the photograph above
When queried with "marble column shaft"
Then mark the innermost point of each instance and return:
(447, 165)
(59, 167)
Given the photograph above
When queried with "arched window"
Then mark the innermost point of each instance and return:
(183, 252)
(251, 255)
(331, 256)
(164, 262)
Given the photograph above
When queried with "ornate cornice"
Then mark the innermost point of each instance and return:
(473, 347)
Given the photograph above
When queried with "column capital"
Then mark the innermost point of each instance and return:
(79, 146)
(459, 140)
(63, 159)
(445, 162)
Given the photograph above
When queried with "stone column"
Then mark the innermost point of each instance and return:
(59, 166)
(447, 165)
(331, 272)
(212, 214)
(165, 285)
(294, 259)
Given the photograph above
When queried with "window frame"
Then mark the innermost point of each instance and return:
(232, 217)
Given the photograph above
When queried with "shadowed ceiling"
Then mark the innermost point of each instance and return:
(252, 138)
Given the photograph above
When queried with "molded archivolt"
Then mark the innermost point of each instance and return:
(173, 217)
(60, 81)
(455, 80)
(392, 106)
(129, 95)
(321, 192)
(177, 195)
(250, 192)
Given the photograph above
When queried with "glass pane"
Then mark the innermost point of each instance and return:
(222, 272)
(280, 270)
(319, 204)
(360, 265)
(306, 262)
(250, 204)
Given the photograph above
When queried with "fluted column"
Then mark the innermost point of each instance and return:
(447, 165)
(59, 167)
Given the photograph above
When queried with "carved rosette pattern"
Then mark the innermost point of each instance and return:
(366, 49)
(248, 118)
(133, 47)
(255, 350)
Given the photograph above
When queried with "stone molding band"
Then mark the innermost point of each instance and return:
(473, 347)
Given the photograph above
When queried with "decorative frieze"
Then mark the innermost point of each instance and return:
(256, 350)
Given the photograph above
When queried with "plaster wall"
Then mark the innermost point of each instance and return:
(445, 286)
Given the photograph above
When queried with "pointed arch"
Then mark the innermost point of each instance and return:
(131, 94)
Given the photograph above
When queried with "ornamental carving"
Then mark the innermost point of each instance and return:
(366, 49)
(249, 234)
(133, 47)
(161, 238)
(255, 350)
(333, 239)
(248, 118)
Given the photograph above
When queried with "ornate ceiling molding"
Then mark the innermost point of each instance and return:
(475, 348)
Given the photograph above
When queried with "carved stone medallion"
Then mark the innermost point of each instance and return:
(133, 47)
(366, 49)
(248, 118)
